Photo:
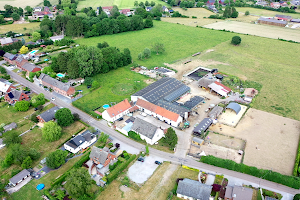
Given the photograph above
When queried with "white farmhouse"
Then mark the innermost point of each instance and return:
(80, 142)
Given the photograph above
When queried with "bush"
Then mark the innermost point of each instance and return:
(290, 181)
(134, 136)
(296, 167)
(236, 40)
(247, 13)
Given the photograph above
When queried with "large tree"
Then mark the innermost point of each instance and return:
(158, 48)
(22, 105)
(11, 137)
(28, 10)
(64, 117)
(23, 50)
(73, 68)
(15, 16)
(36, 36)
(78, 182)
(56, 158)
(27, 162)
(51, 131)
(170, 138)
(236, 40)
(38, 100)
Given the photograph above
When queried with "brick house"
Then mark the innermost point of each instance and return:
(5, 86)
(58, 86)
(16, 95)
(20, 61)
(10, 58)
(30, 67)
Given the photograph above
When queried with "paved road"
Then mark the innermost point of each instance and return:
(167, 156)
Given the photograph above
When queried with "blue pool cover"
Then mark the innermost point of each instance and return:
(40, 186)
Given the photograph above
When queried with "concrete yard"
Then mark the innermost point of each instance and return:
(272, 140)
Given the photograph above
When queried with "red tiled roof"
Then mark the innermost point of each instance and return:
(134, 108)
(225, 87)
(107, 8)
(125, 11)
(147, 105)
(118, 108)
(167, 114)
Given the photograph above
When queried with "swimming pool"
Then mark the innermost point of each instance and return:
(33, 52)
(105, 106)
(60, 75)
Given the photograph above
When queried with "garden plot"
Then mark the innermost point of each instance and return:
(230, 118)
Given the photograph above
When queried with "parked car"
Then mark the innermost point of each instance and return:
(143, 114)
(53, 99)
(35, 109)
(157, 162)
(120, 119)
(141, 159)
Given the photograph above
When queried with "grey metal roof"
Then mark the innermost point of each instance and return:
(284, 16)
(269, 198)
(30, 66)
(204, 82)
(54, 82)
(194, 101)
(143, 127)
(163, 70)
(6, 40)
(9, 56)
(272, 20)
(19, 176)
(49, 114)
(177, 93)
(173, 107)
(99, 154)
(295, 20)
(160, 89)
(194, 189)
(198, 140)
(203, 125)
(10, 126)
(215, 112)
(242, 193)
(234, 106)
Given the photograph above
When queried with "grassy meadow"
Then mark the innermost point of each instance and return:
(19, 28)
(265, 13)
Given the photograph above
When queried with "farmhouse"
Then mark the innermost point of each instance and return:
(48, 115)
(283, 17)
(147, 131)
(15, 95)
(5, 86)
(30, 67)
(21, 176)
(106, 9)
(39, 14)
(57, 38)
(102, 158)
(238, 193)
(117, 111)
(80, 142)
(191, 189)
(219, 88)
(273, 22)
(202, 126)
(10, 58)
(59, 87)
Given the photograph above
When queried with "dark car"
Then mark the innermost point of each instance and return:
(157, 162)
(120, 119)
(141, 159)
(89, 86)
(35, 109)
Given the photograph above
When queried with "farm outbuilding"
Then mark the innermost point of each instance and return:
(273, 22)
(202, 126)
(235, 107)
(283, 17)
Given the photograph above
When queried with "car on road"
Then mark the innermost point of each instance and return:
(143, 114)
(141, 159)
(53, 99)
(157, 162)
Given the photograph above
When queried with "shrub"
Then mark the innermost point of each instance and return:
(236, 40)
(134, 136)
(247, 13)
(296, 167)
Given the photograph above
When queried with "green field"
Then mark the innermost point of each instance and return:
(120, 3)
(19, 28)
(180, 41)
(265, 13)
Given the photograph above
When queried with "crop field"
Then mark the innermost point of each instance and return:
(23, 4)
(257, 29)
(120, 3)
(180, 41)
(19, 28)
(270, 62)
(265, 13)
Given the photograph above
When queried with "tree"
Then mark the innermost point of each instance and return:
(2, 19)
(102, 45)
(103, 137)
(36, 36)
(26, 164)
(127, 57)
(51, 131)
(73, 69)
(56, 159)
(136, 3)
(115, 12)
(78, 182)
(11, 138)
(47, 3)
(236, 40)
(38, 100)
(152, 3)
(170, 138)
(76, 117)
(28, 10)
(158, 48)
(19, 153)
(148, 22)
(95, 84)
(140, 56)
(34, 154)
(141, 4)
(147, 53)
(296, 197)
(22, 105)
(247, 13)
(147, 3)
(15, 16)
(2, 70)
(64, 117)
(9, 160)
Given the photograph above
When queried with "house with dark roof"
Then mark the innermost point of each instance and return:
(58, 86)
(15, 95)
(5, 86)
(147, 131)
(80, 142)
(21, 176)
(10, 127)
(202, 126)
(102, 158)
(117, 111)
(48, 115)
(191, 189)
(238, 193)
(10, 58)
(30, 67)
(219, 88)
(149, 8)
(20, 61)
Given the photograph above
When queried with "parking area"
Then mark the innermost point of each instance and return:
(139, 172)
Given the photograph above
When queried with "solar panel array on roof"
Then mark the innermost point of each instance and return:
(177, 93)
(194, 101)
(163, 70)
(173, 107)
(10, 95)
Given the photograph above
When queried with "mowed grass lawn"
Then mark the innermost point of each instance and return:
(19, 28)
(110, 88)
(272, 63)
(180, 41)
(265, 13)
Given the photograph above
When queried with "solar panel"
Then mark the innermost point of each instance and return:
(10, 95)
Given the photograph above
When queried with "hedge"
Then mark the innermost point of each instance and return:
(190, 168)
(295, 172)
(114, 174)
(82, 160)
(290, 181)
(70, 138)
(46, 193)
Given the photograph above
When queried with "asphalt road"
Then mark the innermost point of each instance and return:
(167, 156)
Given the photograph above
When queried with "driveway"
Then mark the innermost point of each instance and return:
(19, 186)
(139, 172)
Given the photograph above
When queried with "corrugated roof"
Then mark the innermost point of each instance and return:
(118, 108)
(173, 107)
(177, 93)
(203, 125)
(194, 189)
(284, 16)
(234, 106)
(204, 82)
(215, 112)
(219, 88)
(6, 40)
(272, 20)
(198, 140)
(143, 127)
(193, 102)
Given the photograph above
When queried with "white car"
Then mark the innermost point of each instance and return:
(53, 99)
(143, 114)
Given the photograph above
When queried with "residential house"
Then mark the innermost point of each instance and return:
(1, 143)
(107, 9)
(40, 14)
(126, 12)
(37, 9)
(30, 67)
(197, 141)
(283, 17)
(250, 94)
(30, 43)
(149, 8)
(80, 142)
(102, 158)
(191, 189)
(8, 41)
(202, 126)
(10, 58)
(10, 127)
(58, 86)
(21, 176)
(271, 21)
(210, 2)
(275, 5)
(219, 88)
(15, 95)
(238, 193)
(117, 111)
(283, 4)
(5, 86)
(57, 38)
(48, 115)
(165, 9)
(147, 131)
(20, 61)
